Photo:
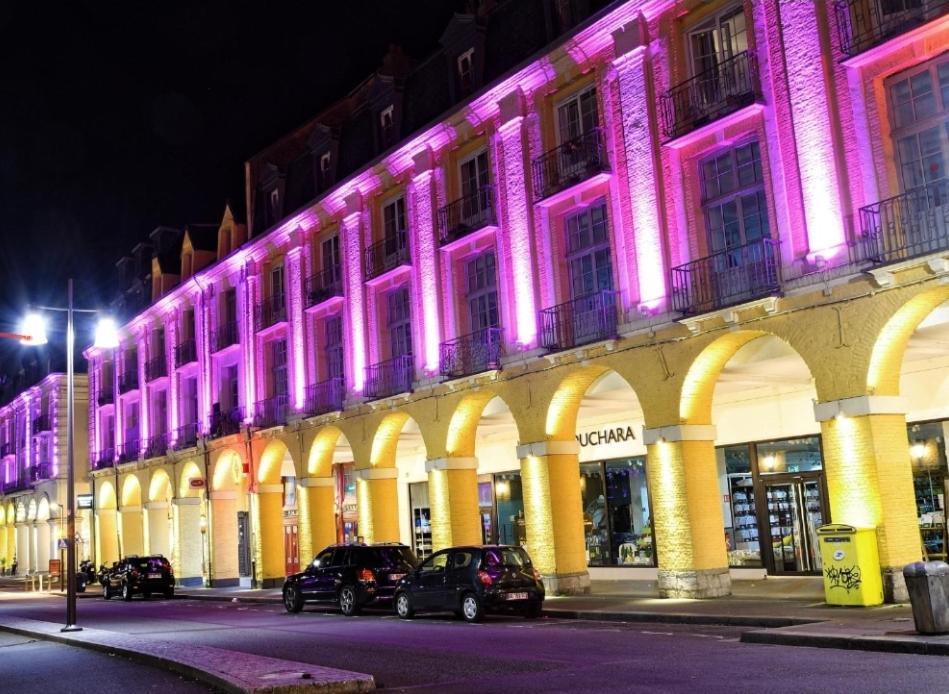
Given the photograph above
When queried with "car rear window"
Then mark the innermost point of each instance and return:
(386, 557)
(150, 563)
(505, 556)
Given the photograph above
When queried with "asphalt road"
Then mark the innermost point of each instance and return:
(440, 653)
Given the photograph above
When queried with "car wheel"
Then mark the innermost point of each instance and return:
(126, 592)
(105, 591)
(403, 606)
(534, 610)
(292, 600)
(170, 593)
(471, 609)
(347, 601)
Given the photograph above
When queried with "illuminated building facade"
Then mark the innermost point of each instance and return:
(653, 288)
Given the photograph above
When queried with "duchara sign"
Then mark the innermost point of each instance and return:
(605, 436)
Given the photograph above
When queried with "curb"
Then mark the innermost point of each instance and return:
(893, 644)
(228, 682)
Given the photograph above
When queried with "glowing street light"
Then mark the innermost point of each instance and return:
(33, 330)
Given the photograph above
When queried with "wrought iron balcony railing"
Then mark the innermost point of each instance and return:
(105, 459)
(322, 286)
(224, 336)
(906, 226)
(580, 321)
(128, 381)
(186, 352)
(390, 377)
(6, 449)
(105, 396)
(17, 485)
(572, 162)
(157, 445)
(186, 436)
(156, 368)
(863, 24)
(272, 412)
(41, 424)
(225, 423)
(40, 471)
(728, 86)
(326, 396)
(129, 449)
(270, 311)
(730, 277)
(471, 354)
(466, 215)
(386, 255)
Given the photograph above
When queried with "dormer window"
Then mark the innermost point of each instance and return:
(275, 204)
(387, 126)
(465, 79)
(326, 170)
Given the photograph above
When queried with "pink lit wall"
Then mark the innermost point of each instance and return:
(354, 317)
(296, 350)
(424, 248)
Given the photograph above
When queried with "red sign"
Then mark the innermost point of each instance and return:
(196, 483)
(55, 567)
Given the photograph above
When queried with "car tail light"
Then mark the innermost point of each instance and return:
(365, 575)
(485, 578)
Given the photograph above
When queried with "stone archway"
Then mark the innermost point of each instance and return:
(161, 536)
(107, 528)
(191, 526)
(276, 545)
(229, 512)
(320, 517)
(44, 534)
(131, 524)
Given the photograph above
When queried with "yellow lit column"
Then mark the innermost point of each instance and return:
(133, 540)
(107, 536)
(453, 499)
(223, 538)
(378, 504)
(687, 511)
(267, 510)
(550, 480)
(870, 478)
(42, 534)
(189, 540)
(23, 547)
(317, 506)
(158, 528)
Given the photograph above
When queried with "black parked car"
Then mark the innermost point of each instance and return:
(351, 576)
(139, 575)
(472, 580)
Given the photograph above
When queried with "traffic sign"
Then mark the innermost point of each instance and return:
(63, 543)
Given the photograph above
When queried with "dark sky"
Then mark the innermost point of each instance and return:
(116, 117)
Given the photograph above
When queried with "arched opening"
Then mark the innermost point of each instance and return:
(277, 540)
(44, 535)
(10, 531)
(28, 539)
(190, 526)
(107, 529)
(161, 535)
(230, 549)
(329, 493)
(132, 535)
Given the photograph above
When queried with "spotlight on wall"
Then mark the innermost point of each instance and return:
(917, 451)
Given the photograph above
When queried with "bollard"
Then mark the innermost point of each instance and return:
(928, 586)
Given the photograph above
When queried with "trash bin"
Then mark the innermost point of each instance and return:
(851, 565)
(928, 586)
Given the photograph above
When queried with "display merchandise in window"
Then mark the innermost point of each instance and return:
(927, 450)
(616, 517)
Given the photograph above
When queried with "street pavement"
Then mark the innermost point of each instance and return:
(28, 666)
(439, 653)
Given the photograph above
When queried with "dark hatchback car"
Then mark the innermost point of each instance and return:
(139, 575)
(470, 581)
(351, 576)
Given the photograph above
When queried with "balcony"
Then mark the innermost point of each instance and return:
(390, 377)
(466, 215)
(863, 24)
(322, 286)
(326, 396)
(581, 321)
(186, 436)
(905, 226)
(156, 368)
(105, 459)
(186, 352)
(40, 471)
(269, 312)
(129, 449)
(272, 412)
(227, 422)
(157, 445)
(15, 486)
(730, 277)
(41, 424)
(105, 396)
(572, 162)
(471, 354)
(224, 336)
(725, 88)
(128, 382)
(386, 255)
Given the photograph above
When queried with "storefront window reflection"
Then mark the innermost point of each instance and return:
(927, 451)
(510, 508)
(616, 518)
(741, 517)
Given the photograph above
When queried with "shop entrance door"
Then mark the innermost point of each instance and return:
(794, 509)
(291, 549)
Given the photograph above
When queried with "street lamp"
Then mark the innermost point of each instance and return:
(33, 332)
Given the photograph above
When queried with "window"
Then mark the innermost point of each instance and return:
(189, 404)
(588, 251)
(274, 204)
(716, 40)
(326, 170)
(474, 177)
(229, 307)
(919, 107)
(278, 361)
(577, 116)
(332, 268)
(465, 75)
(482, 292)
(334, 347)
(187, 325)
(393, 225)
(436, 562)
(160, 413)
(387, 126)
(158, 344)
(229, 391)
(733, 199)
(400, 326)
(276, 286)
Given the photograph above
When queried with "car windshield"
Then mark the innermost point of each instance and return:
(386, 557)
(505, 556)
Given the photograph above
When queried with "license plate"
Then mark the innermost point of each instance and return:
(396, 577)
(150, 576)
(516, 596)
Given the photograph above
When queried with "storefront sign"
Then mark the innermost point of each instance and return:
(605, 436)
(83, 501)
(196, 483)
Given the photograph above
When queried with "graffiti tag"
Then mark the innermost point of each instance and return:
(847, 578)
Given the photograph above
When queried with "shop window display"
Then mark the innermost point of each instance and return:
(927, 449)
(741, 516)
(421, 519)
(509, 498)
(616, 517)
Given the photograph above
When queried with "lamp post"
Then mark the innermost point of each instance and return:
(33, 332)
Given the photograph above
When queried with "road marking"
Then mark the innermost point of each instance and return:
(657, 633)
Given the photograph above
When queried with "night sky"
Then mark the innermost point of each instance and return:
(118, 117)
